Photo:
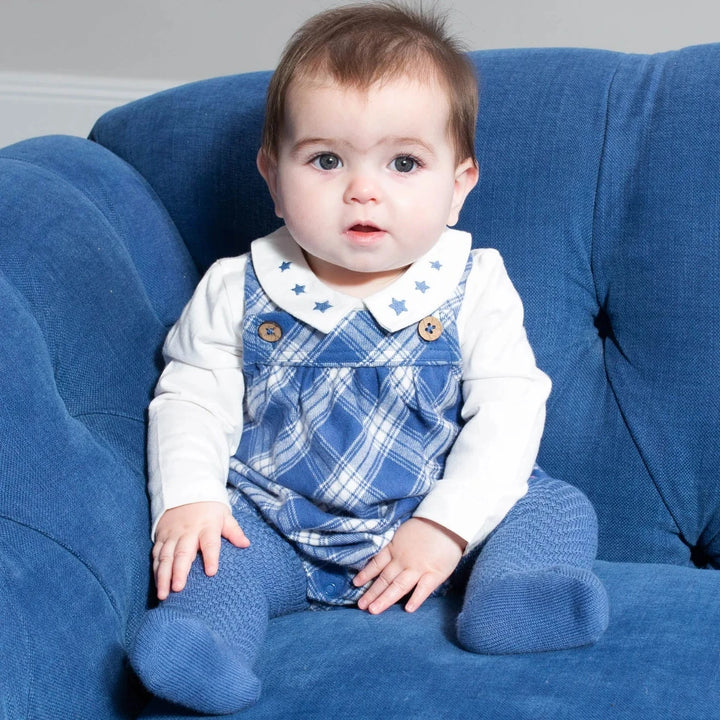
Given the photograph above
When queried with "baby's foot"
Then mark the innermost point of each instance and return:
(180, 659)
(554, 608)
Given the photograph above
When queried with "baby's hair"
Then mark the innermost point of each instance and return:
(360, 44)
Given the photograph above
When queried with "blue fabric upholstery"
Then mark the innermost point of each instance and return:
(599, 185)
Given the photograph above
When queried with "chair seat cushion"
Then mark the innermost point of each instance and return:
(655, 661)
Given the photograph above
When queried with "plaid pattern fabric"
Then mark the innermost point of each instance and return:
(344, 433)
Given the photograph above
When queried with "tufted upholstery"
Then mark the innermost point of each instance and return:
(600, 185)
(84, 312)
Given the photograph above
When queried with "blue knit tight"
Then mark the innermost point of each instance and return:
(532, 587)
(197, 648)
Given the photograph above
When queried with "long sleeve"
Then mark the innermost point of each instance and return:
(195, 418)
(504, 395)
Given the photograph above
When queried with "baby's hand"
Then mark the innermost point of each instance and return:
(419, 558)
(184, 530)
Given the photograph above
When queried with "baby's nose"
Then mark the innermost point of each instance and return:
(362, 188)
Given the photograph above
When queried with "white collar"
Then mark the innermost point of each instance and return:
(287, 279)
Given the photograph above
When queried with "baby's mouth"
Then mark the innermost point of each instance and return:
(365, 235)
(363, 228)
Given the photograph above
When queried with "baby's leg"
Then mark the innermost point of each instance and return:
(532, 587)
(197, 648)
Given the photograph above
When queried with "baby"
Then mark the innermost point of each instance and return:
(350, 413)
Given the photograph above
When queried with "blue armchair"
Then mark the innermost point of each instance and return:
(600, 185)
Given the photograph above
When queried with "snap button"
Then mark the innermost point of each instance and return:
(430, 328)
(270, 331)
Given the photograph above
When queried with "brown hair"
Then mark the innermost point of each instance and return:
(363, 43)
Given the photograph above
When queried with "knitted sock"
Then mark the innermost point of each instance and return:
(532, 588)
(197, 648)
(179, 658)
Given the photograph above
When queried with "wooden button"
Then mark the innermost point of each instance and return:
(270, 331)
(430, 328)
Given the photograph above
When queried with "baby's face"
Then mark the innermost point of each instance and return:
(366, 180)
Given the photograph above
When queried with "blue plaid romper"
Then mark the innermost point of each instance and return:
(346, 432)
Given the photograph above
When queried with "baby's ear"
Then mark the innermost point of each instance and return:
(466, 177)
(267, 167)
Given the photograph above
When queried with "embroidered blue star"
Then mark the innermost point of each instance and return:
(285, 266)
(398, 306)
(435, 264)
(322, 306)
(422, 286)
(299, 289)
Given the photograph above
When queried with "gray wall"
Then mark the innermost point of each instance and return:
(178, 40)
(65, 62)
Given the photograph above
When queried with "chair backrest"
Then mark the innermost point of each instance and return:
(600, 186)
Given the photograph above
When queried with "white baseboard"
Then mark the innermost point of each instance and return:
(34, 104)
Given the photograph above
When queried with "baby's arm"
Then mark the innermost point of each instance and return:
(419, 558)
(504, 396)
(183, 531)
(195, 426)
(488, 466)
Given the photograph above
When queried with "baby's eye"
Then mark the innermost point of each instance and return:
(405, 164)
(327, 161)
